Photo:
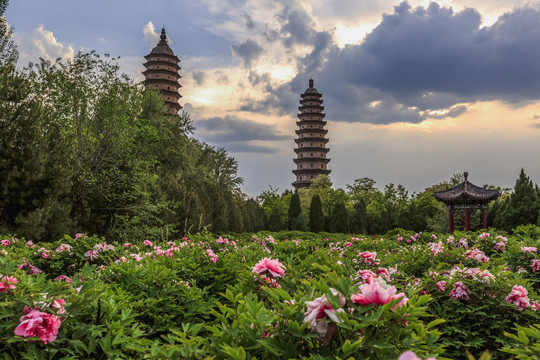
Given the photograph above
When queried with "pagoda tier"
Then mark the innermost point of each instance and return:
(311, 150)
(303, 142)
(311, 133)
(311, 123)
(162, 73)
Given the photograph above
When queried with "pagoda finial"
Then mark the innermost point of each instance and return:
(163, 36)
(465, 175)
(310, 83)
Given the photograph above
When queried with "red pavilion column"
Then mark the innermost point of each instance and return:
(484, 218)
(467, 220)
(451, 220)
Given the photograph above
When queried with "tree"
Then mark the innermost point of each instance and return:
(35, 163)
(275, 223)
(316, 217)
(295, 209)
(339, 220)
(524, 205)
(8, 51)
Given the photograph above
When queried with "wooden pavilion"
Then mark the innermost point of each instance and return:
(466, 196)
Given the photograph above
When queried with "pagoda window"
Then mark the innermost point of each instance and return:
(300, 178)
(310, 126)
(312, 176)
(322, 166)
(301, 155)
(310, 165)
(310, 144)
(300, 166)
(311, 154)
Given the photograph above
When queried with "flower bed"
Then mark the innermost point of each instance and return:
(271, 296)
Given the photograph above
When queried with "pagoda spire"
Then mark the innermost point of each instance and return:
(311, 150)
(162, 73)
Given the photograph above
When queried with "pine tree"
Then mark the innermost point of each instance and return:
(358, 221)
(275, 223)
(524, 204)
(339, 220)
(295, 209)
(316, 218)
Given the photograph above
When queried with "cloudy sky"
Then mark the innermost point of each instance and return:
(414, 91)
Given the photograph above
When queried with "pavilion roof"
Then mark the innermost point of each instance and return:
(466, 193)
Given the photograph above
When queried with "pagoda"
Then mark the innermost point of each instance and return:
(162, 73)
(466, 196)
(311, 150)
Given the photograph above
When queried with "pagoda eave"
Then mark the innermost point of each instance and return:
(314, 172)
(310, 139)
(311, 148)
(311, 159)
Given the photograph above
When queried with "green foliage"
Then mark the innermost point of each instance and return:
(83, 148)
(339, 220)
(295, 209)
(527, 342)
(316, 218)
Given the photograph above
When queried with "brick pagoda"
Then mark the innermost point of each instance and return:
(162, 73)
(311, 160)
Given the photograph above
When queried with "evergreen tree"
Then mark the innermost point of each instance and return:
(524, 204)
(358, 221)
(339, 220)
(295, 209)
(316, 218)
(275, 223)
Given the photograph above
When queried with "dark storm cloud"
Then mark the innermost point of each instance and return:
(421, 60)
(236, 134)
(248, 51)
(234, 129)
(415, 53)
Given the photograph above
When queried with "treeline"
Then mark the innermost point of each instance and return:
(85, 149)
(364, 209)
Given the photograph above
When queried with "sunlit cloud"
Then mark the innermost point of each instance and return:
(41, 43)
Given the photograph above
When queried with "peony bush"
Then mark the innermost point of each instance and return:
(272, 296)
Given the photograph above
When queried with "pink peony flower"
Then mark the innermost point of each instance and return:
(460, 291)
(59, 304)
(31, 268)
(535, 265)
(148, 243)
(273, 266)
(379, 293)
(476, 254)
(63, 278)
(319, 310)
(366, 275)
(519, 297)
(441, 285)
(527, 249)
(384, 273)
(5, 242)
(7, 283)
(38, 324)
(369, 257)
(409, 355)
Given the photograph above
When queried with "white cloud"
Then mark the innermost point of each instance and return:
(41, 43)
(150, 35)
